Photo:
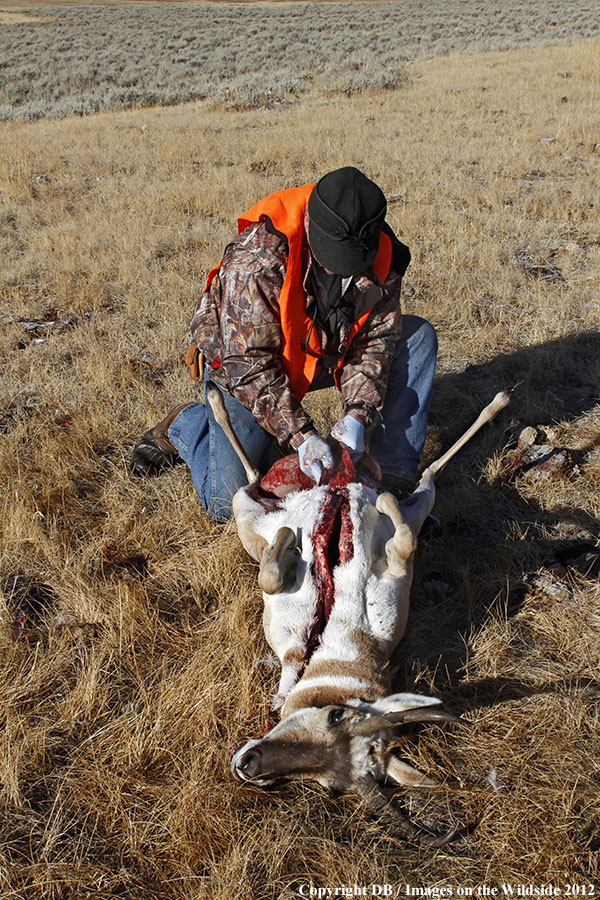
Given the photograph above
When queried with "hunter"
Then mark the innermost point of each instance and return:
(306, 296)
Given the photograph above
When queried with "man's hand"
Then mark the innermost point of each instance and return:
(350, 432)
(315, 455)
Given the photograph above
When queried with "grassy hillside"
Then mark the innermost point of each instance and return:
(82, 59)
(130, 625)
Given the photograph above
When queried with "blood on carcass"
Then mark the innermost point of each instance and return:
(332, 543)
(332, 536)
(285, 476)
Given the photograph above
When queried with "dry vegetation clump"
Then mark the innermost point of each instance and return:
(79, 60)
(130, 625)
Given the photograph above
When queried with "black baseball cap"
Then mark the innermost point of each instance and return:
(347, 211)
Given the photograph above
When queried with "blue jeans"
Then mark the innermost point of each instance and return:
(396, 440)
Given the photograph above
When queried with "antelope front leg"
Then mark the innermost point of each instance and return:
(215, 398)
(501, 400)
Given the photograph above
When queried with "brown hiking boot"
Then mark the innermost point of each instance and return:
(154, 451)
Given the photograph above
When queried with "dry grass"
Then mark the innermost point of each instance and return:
(123, 697)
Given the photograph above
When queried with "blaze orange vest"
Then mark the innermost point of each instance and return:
(285, 209)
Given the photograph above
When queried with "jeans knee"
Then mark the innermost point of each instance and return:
(419, 338)
(426, 335)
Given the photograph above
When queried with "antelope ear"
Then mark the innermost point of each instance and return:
(395, 703)
(405, 775)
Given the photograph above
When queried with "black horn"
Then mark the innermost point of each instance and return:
(373, 724)
(368, 789)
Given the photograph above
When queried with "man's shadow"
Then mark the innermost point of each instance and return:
(490, 533)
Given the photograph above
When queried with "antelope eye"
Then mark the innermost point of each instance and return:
(335, 715)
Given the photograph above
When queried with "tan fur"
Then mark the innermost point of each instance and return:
(371, 667)
(295, 655)
(324, 695)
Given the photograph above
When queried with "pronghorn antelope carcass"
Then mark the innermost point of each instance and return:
(335, 567)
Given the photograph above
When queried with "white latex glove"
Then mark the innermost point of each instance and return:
(350, 432)
(315, 455)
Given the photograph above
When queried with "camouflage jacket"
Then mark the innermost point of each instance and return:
(236, 324)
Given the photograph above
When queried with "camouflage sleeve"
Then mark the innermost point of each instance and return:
(365, 373)
(239, 324)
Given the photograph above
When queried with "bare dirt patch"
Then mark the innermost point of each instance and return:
(9, 17)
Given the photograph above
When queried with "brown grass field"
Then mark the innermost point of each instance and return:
(130, 625)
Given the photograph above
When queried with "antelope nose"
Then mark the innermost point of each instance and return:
(248, 763)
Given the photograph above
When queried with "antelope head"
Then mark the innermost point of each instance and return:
(347, 748)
